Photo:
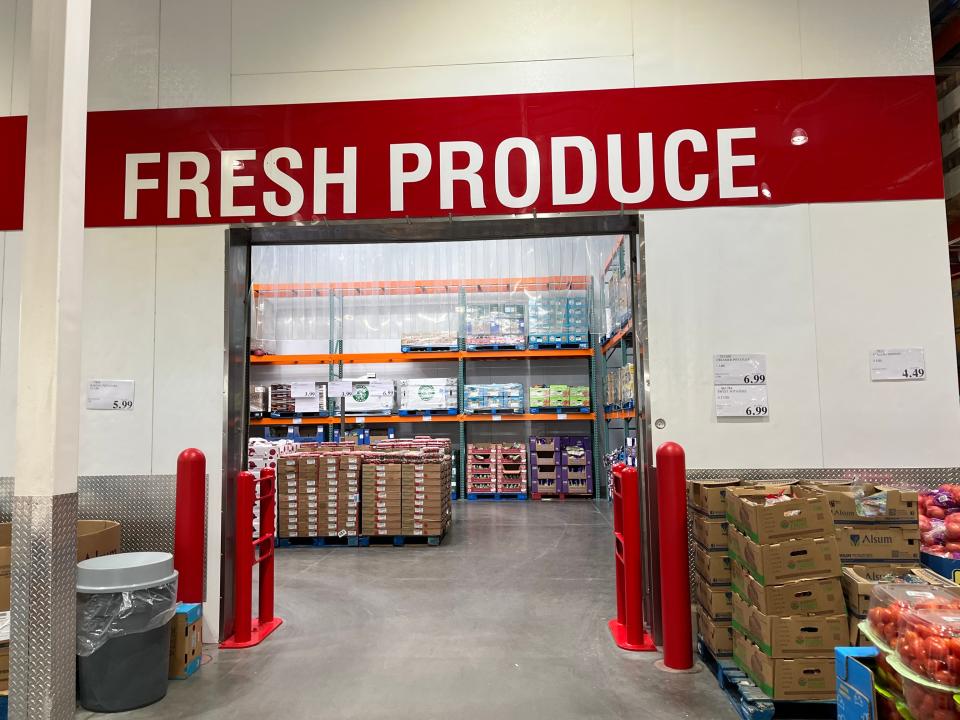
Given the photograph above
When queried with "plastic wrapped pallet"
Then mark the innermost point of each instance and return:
(371, 396)
(428, 394)
(493, 396)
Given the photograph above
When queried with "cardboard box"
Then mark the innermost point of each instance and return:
(823, 596)
(791, 636)
(5, 668)
(801, 516)
(186, 640)
(717, 602)
(879, 543)
(714, 567)
(867, 504)
(793, 679)
(717, 634)
(858, 582)
(711, 534)
(803, 559)
(709, 497)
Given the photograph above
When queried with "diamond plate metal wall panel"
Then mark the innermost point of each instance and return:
(144, 505)
(919, 478)
(6, 499)
(43, 602)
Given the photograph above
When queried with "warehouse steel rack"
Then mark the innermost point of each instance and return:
(335, 360)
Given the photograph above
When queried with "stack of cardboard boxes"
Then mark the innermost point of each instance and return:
(708, 507)
(511, 468)
(482, 468)
(348, 494)
(298, 502)
(788, 605)
(425, 497)
(878, 535)
(544, 465)
(381, 496)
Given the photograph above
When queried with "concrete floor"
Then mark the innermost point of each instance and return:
(507, 619)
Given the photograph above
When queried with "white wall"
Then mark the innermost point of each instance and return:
(164, 288)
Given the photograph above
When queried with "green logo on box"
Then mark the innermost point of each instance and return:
(426, 392)
(361, 393)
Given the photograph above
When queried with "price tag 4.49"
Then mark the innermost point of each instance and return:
(898, 364)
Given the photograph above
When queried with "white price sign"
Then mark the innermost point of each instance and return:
(740, 369)
(339, 388)
(898, 364)
(110, 395)
(741, 400)
(303, 389)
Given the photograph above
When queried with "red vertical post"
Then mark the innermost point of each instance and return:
(268, 521)
(243, 559)
(674, 557)
(627, 629)
(189, 524)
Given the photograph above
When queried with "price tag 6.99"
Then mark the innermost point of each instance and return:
(740, 369)
(741, 401)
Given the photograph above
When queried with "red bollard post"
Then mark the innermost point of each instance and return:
(627, 628)
(189, 524)
(674, 558)
(248, 552)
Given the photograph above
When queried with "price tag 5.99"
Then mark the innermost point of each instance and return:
(110, 394)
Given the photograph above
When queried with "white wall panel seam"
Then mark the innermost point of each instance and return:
(816, 335)
(153, 354)
(803, 74)
(432, 65)
(13, 54)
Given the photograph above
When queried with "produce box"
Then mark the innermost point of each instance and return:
(794, 518)
(878, 543)
(802, 559)
(714, 567)
(580, 396)
(186, 640)
(859, 580)
(794, 636)
(867, 504)
(781, 679)
(717, 634)
(539, 395)
(709, 497)
(822, 596)
(711, 534)
(717, 602)
(559, 396)
(428, 394)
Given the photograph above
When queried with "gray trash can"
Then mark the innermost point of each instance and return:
(124, 606)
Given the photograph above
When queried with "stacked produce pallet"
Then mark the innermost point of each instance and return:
(425, 497)
(545, 464)
(493, 398)
(707, 501)
(788, 605)
(511, 468)
(381, 494)
(576, 466)
(481, 468)
(298, 501)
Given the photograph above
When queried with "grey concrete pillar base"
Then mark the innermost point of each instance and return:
(43, 604)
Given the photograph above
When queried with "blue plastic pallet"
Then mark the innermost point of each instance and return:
(427, 413)
(428, 348)
(401, 540)
(496, 497)
(345, 541)
(495, 347)
(494, 411)
(556, 410)
(750, 702)
(294, 415)
(558, 346)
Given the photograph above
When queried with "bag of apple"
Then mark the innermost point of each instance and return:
(940, 521)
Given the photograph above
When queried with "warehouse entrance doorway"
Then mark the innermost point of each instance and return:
(452, 294)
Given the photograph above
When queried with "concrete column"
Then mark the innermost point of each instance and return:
(43, 635)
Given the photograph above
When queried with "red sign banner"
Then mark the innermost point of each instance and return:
(757, 143)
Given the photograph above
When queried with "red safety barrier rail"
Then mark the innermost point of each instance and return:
(627, 627)
(251, 551)
(189, 525)
(674, 558)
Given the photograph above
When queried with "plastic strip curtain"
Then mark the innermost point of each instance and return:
(382, 297)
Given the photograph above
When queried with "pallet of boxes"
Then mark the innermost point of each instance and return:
(878, 535)
(381, 494)
(708, 510)
(788, 606)
(425, 497)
